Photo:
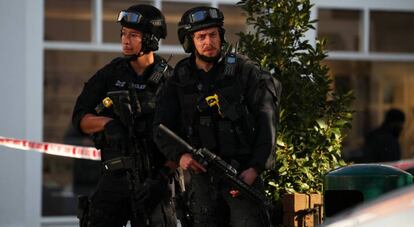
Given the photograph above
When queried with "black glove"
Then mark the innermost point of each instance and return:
(153, 190)
(116, 135)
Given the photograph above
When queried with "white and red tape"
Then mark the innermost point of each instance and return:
(53, 148)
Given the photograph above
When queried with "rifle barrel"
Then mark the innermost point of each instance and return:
(174, 136)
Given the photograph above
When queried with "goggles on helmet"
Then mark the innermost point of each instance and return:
(130, 17)
(205, 14)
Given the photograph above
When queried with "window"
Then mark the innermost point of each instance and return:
(378, 86)
(341, 29)
(68, 20)
(234, 22)
(392, 32)
(65, 178)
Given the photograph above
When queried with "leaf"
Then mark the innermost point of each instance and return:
(313, 115)
(271, 183)
(280, 143)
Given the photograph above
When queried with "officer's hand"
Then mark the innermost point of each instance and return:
(187, 161)
(249, 175)
(116, 135)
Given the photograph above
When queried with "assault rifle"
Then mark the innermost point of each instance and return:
(221, 169)
(135, 159)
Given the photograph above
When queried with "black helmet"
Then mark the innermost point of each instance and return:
(147, 19)
(196, 19)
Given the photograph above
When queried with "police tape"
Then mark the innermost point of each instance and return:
(53, 148)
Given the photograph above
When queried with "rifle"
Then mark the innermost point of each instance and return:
(222, 169)
(135, 159)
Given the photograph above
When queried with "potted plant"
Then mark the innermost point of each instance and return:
(312, 115)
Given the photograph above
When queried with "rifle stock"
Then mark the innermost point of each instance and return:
(216, 165)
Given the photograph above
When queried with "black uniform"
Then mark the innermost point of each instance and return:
(241, 131)
(111, 202)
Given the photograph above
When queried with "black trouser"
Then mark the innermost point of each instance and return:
(111, 206)
(211, 204)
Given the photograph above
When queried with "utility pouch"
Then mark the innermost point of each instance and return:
(245, 126)
(147, 101)
(206, 133)
(140, 126)
(120, 163)
(228, 140)
(229, 109)
(83, 210)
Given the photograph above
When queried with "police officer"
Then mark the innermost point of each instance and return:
(382, 144)
(224, 102)
(117, 200)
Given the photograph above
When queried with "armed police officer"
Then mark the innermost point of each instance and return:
(227, 104)
(135, 175)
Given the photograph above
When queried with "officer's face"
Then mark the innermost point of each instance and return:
(131, 41)
(207, 41)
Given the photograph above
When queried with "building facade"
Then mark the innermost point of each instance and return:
(50, 48)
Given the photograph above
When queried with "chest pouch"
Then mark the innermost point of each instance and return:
(148, 100)
(245, 126)
(227, 139)
(232, 127)
(140, 126)
(232, 140)
(206, 133)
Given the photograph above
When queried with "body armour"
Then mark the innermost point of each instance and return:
(218, 108)
(116, 76)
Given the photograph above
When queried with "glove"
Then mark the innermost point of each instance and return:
(116, 135)
(152, 191)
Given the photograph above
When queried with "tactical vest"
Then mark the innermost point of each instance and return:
(145, 108)
(147, 99)
(216, 117)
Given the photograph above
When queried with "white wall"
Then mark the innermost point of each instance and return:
(21, 110)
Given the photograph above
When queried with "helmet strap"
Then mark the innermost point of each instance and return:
(206, 58)
(131, 57)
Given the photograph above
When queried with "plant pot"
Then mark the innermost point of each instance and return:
(302, 210)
